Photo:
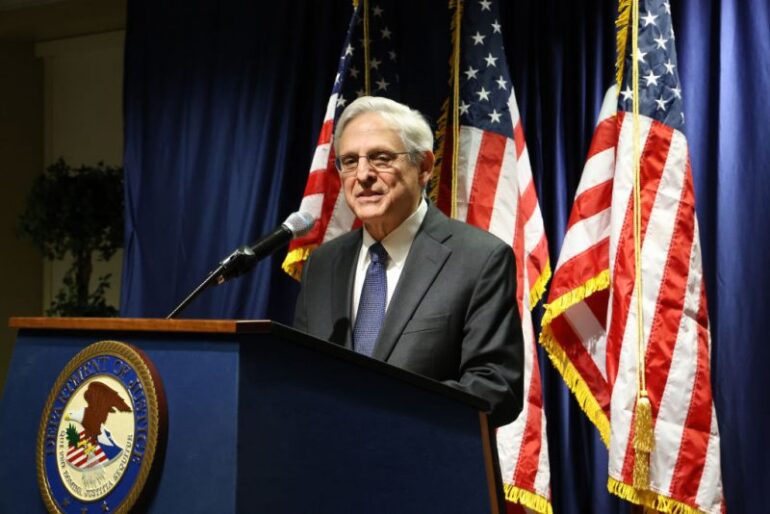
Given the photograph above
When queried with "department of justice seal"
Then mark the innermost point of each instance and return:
(102, 427)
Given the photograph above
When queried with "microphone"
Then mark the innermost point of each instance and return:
(243, 259)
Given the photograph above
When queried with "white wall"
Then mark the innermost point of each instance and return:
(83, 123)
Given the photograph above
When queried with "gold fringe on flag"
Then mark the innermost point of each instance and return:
(578, 294)
(572, 377)
(537, 290)
(295, 259)
(575, 383)
(621, 39)
(527, 499)
(649, 499)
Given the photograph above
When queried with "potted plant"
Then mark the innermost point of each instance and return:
(77, 211)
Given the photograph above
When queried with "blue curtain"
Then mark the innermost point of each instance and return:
(724, 59)
(223, 100)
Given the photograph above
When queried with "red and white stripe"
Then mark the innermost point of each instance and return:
(80, 459)
(677, 341)
(323, 197)
(574, 330)
(591, 333)
(496, 192)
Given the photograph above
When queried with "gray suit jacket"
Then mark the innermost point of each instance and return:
(453, 315)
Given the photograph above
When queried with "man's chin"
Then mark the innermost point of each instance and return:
(370, 207)
(369, 213)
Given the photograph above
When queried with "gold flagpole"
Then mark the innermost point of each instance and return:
(643, 436)
(457, 33)
(367, 75)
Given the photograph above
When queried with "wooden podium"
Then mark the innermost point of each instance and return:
(262, 418)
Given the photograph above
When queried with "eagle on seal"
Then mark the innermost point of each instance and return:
(101, 400)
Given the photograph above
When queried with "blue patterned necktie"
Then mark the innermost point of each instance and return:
(371, 306)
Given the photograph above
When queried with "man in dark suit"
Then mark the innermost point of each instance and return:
(412, 287)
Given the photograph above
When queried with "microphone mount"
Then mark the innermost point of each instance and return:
(243, 259)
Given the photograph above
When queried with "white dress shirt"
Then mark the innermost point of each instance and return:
(397, 244)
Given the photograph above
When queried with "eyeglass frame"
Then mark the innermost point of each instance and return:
(368, 157)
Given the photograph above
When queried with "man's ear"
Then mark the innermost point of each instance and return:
(426, 167)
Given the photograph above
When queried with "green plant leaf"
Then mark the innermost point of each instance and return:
(73, 438)
(76, 211)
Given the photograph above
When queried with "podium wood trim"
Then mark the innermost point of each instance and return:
(208, 326)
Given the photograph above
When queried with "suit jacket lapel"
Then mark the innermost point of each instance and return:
(425, 260)
(341, 296)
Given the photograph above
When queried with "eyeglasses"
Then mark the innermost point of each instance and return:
(381, 160)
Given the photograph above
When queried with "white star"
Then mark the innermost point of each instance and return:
(392, 55)
(360, 93)
(337, 78)
(471, 72)
(385, 33)
(377, 10)
(375, 64)
(649, 19)
(341, 101)
(464, 108)
(627, 93)
(478, 39)
(640, 55)
(349, 50)
(495, 116)
(501, 82)
(672, 33)
(382, 85)
(483, 94)
(677, 92)
(682, 117)
(652, 79)
(661, 104)
(669, 67)
(496, 28)
(661, 41)
(485, 5)
(667, 7)
(491, 60)
(354, 72)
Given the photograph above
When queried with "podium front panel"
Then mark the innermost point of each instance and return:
(272, 422)
(321, 434)
(200, 377)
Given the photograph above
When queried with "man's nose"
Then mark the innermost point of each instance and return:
(365, 171)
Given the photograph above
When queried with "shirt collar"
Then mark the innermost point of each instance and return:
(399, 241)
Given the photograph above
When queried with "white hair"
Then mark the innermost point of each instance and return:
(412, 126)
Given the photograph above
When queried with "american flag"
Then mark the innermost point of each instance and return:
(488, 183)
(590, 326)
(85, 454)
(322, 196)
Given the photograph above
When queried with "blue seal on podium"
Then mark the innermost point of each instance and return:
(101, 432)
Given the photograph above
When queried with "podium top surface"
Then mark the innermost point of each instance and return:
(212, 326)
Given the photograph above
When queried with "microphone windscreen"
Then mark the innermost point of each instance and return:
(299, 223)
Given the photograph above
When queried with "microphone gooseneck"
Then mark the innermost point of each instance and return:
(243, 259)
